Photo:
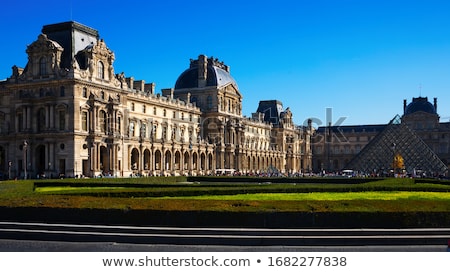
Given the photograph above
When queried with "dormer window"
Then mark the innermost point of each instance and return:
(101, 70)
(42, 66)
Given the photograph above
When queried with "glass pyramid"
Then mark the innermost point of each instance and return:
(397, 140)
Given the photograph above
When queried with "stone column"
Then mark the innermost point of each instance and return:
(47, 117)
(28, 117)
(52, 116)
(24, 118)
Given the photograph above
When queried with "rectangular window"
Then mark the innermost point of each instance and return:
(84, 121)
(20, 121)
(62, 120)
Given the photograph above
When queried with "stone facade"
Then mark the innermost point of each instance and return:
(67, 113)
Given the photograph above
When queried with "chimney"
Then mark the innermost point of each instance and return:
(404, 106)
(139, 85)
(202, 70)
(130, 82)
(150, 88)
(435, 104)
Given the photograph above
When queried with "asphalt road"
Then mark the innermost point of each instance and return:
(60, 246)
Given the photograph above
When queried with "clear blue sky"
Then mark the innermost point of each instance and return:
(360, 58)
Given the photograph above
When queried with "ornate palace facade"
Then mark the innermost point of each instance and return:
(67, 113)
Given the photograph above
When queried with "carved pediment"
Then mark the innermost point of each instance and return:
(44, 58)
(44, 45)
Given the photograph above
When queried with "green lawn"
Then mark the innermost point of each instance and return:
(326, 196)
(256, 195)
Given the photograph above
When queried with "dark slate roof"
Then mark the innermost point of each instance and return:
(65, 33)
(272, 110)
(420, 104)
(215, 76)
(354, 129)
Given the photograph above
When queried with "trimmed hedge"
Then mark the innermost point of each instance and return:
(148, 187)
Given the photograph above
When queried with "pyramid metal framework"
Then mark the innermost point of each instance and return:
(397, 138)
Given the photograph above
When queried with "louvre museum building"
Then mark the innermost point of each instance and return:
(67, 113)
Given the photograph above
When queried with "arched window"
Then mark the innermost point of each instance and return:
(101, 70)
(42, 66)
(119, 124)
(132, 106)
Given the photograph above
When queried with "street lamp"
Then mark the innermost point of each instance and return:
(25, 146)
(9, 170)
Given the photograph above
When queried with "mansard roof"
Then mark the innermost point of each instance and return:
(420, 104)
(216, 74)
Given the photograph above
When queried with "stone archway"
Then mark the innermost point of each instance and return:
(186, 161)
(146, 159)
(168, 160)
(210, 162)
(157, 160)
(194, 161)
(177, 165)
(134, 160)
(104, 160)
(202, 161)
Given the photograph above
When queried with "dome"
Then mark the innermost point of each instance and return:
(420, 104)
(217, 74)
